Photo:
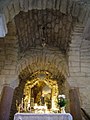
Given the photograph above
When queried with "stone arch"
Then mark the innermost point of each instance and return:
(12, 8)
(36, 61)
(52, 61)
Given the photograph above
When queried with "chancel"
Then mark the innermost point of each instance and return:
(39, 93)
(44, 59)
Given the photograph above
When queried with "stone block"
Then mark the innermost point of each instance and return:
(1, 63)
(44, 4)
(49, 4)
(63, 6)
(70, 2)
(85, 64)
(53, 4)
(26, 5)
(9, 67)
(74, 64)
(57, 4)
(74, 69)
(74, 58)
(76, 39)
(21, 3)
(77, 74)
(5, 72)
(11, 38)
(88, 74)
(11, 58)
(2, 58)
(12, 72)
(11, 52)
(82, 13)
(56, 28)
(11, 11)
(75, 9)
(72, 83)
(6, 13)
(40, 4)
(32, 4)
(74, 48)
(2, 79)
(77, 33)
(83, 83)
(85, 60)
(74, 52)
(16, 6)
(85, 69)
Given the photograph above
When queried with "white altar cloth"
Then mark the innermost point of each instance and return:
(50, 116)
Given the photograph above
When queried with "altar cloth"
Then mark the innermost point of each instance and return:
(45, 116)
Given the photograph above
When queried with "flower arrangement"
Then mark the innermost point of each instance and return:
(61, 100)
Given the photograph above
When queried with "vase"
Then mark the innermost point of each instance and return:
(62, 110)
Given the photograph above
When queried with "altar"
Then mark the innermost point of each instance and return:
(50, 116)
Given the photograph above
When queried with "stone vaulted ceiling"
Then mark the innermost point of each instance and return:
(37, 18)
(44, 23)
(44, 28)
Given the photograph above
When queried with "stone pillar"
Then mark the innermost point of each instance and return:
(75, 108)
(6, 101)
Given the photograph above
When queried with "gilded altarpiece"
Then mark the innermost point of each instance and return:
(48, 88)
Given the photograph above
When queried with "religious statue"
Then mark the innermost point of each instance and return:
(42, 102)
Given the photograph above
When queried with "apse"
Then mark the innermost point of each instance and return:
(37, 90)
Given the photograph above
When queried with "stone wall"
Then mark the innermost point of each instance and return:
(8, 58)
(79, 54)
(79, 66)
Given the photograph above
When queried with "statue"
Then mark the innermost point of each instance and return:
(42, 102)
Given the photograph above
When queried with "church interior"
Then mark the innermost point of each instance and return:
(44, 52)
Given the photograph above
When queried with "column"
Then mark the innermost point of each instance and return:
(75, 108)
(6, 101)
